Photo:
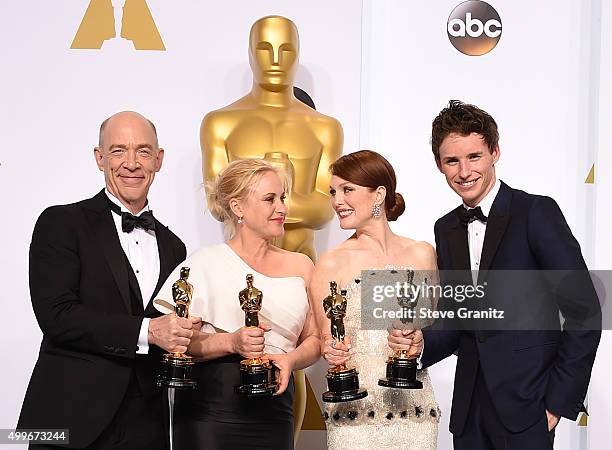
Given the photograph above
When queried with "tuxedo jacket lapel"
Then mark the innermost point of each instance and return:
(497, 222)
(164, 248)
(496, 227)
(458, 245)
(103, 228)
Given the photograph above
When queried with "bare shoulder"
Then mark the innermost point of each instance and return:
(423, 248)
(299, 264)
(303, 264)
(421, 254)
(329, 261)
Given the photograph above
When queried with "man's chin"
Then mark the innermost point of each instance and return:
(468, 197)
(131, 197)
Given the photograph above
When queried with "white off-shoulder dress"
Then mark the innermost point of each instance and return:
(214, 416)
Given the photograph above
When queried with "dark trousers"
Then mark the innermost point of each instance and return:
(141, 423)
(484, 429)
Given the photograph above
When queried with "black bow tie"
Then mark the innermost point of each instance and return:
(146, 221)
(469, 215)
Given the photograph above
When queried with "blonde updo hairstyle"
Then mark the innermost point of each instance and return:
(237, 180)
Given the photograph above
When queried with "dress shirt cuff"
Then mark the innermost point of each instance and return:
(143, 337)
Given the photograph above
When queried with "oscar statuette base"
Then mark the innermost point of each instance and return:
(401, 373)
(343, 385)
(176, 372)
(257, 378)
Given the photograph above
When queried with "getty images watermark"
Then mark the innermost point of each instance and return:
(406, 295)
(492, 300)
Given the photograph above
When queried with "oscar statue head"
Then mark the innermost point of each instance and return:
(274, 52)
(184, 273)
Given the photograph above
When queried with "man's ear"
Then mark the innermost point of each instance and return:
(496, 154)
(159, 160)
(98, 156)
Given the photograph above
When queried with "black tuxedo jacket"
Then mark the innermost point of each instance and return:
(80, 290)
(525, 372)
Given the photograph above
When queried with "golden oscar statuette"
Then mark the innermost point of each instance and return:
(401, 370)
(176, 367)
(256, 374)
(342, 382)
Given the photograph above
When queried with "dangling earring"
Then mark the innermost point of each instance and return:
(240, 220)
(376, 211)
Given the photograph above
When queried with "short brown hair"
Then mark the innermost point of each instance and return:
(463, 119)
(370, 169)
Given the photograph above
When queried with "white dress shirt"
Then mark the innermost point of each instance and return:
(476, 230)
(140, 247)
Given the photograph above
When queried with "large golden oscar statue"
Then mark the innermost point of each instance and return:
(270, 122)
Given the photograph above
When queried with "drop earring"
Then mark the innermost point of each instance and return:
(376, 211)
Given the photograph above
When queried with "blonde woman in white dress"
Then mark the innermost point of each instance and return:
(364, 198)
(249, 196)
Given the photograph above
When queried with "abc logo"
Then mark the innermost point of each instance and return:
(474, 28)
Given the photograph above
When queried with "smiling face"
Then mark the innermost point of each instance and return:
(273, 52)
(129, 156)
(263, 211)
(353, 203)
(468, 165)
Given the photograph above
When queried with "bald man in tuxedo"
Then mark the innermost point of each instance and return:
(95, 267)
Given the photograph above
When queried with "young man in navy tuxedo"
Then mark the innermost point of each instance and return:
(95, 267)
(511, 387)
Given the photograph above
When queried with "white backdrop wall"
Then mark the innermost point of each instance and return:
(601, 393)
(384, 68)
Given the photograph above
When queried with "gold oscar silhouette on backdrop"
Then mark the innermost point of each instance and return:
(269, 122)
(116, 21)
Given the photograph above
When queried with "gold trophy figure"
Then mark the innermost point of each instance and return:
(182, 293)
(256, 374)
(401, 370)
(176, 367)
(271, 123)
(342, 382)
(250, 302)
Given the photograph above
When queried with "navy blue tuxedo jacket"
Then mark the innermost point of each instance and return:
(526, 372)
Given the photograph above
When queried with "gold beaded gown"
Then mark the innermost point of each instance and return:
(387, 418)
